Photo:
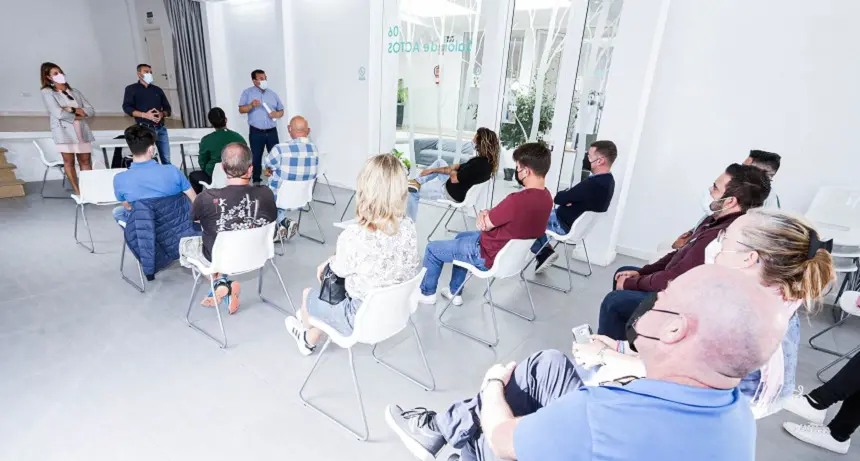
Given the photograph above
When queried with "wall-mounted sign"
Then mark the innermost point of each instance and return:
(362, 73)
(149, 17)
(436, 72)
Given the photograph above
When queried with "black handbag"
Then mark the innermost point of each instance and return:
(332, 287)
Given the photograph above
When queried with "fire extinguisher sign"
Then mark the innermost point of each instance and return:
(436, 73)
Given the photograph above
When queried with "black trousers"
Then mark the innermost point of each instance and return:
(845, 387)
(260, 141)
(195, 177)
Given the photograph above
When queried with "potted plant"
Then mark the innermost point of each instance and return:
(402, 96)
(512, 135)
(407, 164)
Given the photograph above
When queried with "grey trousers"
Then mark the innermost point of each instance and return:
(537, 381)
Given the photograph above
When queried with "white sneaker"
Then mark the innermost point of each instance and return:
(297, 332)
(817, 434)
(798, 405)
(457, 301)
(427, 299)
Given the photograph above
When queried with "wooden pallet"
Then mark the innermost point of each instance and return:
(10, 186)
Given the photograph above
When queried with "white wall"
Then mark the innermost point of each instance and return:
(779, 75)
(96, 57)
(332, 43)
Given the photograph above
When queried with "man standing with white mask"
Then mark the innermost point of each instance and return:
(264, 108)
(149, 106)
(738, 189)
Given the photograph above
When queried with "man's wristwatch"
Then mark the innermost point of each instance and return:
(490, 380)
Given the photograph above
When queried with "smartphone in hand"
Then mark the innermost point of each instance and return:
(582, 334)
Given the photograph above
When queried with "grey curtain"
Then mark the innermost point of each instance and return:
(189, 52)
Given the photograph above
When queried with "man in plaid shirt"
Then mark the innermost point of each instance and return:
(296, 160)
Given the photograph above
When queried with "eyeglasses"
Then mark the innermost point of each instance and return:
(721, 236)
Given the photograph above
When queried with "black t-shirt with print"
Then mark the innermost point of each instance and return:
(475, 171)
(232, 208)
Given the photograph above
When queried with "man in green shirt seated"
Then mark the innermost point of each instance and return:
(211, 146)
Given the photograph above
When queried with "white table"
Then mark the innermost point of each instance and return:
(181, 141)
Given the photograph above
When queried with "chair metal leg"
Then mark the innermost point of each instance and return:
(822, 349)
(267, 300)
(495, 342)
(847, 356)
(330, 191)
(348, 202)
(83, 213)
(426, 387)
(222, 344)
(361, 437)
(509, 311)
(566, 268)
(314, 215)
(44, 181)
(440, 222)
(142, 287)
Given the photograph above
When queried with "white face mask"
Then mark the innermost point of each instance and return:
(147, 78)
(264, 84)
(712, 250)
(707, 200)
(59, 78)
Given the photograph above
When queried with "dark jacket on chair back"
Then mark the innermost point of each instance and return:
(655, 277)
(154, 228)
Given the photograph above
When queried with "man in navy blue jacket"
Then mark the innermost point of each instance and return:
(592, 194)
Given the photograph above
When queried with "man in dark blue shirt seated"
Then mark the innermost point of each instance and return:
(592, 194)
(149, 106)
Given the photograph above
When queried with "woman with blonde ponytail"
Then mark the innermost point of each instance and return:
(786, 254)
(379, 249)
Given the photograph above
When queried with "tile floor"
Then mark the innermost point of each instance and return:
(93, 370)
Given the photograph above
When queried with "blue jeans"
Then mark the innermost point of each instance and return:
(162, 143)
(432, 188)
(465, 247)
(260, 140)
(790, 346)
(121, 214)
(554, 225)
(617, 308)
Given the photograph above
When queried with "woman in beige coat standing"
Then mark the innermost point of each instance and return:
(69, 110)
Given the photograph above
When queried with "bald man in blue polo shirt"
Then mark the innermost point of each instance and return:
(264, 108)
(708, 329)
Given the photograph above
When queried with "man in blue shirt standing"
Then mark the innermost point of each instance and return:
(591, 194)
(145, 178)
(149, 106)
(708, 329)
(264, 108)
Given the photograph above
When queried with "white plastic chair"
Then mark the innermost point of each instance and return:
(384, 313)
(44, 146)
(297, 195)
(346, 208)
(322, 169)
(460, 207)
(848, 303)
(96, 189)
(508, 263)
(234, 253)
(142, 287)
(580, 229)
(219, 178)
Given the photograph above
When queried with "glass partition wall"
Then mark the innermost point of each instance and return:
(518, 67)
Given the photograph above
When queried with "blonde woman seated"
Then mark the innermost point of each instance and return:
(785, 254)
(380, 249)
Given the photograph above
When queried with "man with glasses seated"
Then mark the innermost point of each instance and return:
(738, 189)
(697, 339)
(521, 215)
(591, 194)
(238, 206)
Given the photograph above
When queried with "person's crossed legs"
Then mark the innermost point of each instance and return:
(537, 381)
(465, 247)
(430, 187)
(617, 308)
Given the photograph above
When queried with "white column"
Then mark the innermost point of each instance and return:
(136, 32)
(284, 10)
(219, 71)
(628, 90)
(497, 37)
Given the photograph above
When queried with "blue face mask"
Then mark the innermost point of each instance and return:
(147, 77)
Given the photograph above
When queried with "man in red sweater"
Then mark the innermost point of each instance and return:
(738, 189)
